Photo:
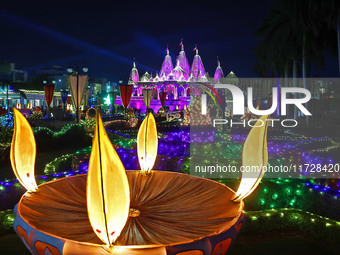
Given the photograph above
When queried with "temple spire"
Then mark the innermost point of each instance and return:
(182, 45)
(183, 61)
(134, 76)
(197, 67)
(218, 76)
(167, 65)
(196, 49)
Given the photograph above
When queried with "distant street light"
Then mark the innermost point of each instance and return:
(78, 80)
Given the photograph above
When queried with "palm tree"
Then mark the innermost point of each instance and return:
(295, 32)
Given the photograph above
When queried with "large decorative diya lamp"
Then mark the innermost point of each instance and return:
(114, 211)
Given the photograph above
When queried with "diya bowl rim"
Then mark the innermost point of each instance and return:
(229, 224)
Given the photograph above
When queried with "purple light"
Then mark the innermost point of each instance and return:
(218, 73)
(197, 68)
(166, 67)
(183, 61)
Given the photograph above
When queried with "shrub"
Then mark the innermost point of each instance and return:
(59, 164)
(72, 133)
(36, 116)
(44, 138)
(90, 125)
(6, 221)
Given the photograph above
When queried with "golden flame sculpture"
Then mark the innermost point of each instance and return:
(107, 191)
(254, 157)
(147, 143)
(23, 152)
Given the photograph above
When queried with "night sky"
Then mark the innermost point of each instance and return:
(38, 34)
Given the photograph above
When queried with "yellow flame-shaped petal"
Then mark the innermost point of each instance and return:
(147, 143)
(107, 191)
(254, 158)
(23, 152)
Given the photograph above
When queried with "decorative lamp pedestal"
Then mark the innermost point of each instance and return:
(178, 215)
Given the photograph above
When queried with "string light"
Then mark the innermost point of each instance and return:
(287, 220)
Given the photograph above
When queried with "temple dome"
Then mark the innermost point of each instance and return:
(151, 78)
(203, 78)
(197, 68)
(163, 77)
(182, 78)
(171, 76)
(146, 77)
(191, 78)
(156, 79)
(166, 66)
(183, 61)
(134, 76)
(218, 73)
(179, 73)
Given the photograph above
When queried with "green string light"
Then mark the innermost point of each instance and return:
(288, 220)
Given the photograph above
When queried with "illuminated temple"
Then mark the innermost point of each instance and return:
(175, 80)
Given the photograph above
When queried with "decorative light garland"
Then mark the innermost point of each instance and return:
(6, 221)
(285, 220)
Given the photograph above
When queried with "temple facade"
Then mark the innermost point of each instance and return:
(175, 80)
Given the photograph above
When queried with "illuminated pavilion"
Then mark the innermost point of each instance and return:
(175, 81)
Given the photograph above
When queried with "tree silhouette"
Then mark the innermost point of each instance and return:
(295, 34)
(295, 31)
